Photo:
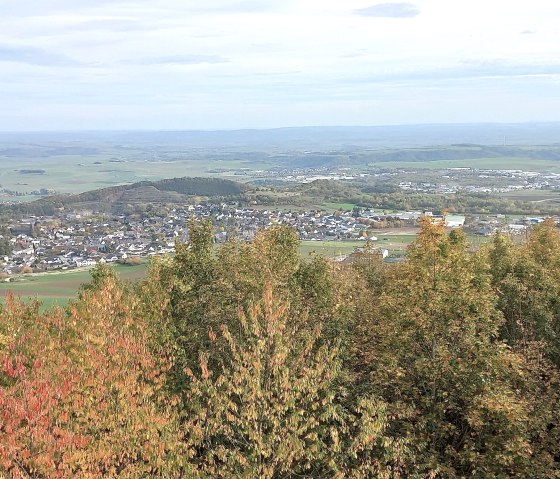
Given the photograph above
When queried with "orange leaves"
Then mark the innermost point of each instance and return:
(83, 396)
(13, 367)
(30, 432)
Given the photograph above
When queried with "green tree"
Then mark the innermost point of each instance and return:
(199, 290)
(5, 244)
(526, 279)
(273, 409)
(430, 351)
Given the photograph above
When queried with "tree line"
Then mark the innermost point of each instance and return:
(251, 361)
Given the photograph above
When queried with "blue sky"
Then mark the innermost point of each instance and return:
(223, 64)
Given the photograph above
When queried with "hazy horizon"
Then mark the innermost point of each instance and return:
(310, 137)
(535, 123)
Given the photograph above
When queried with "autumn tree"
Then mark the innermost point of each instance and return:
(429, 349)
(31, 391)
(273, 408)
(201, 289)
(526, 278)
(80, 392)
(247, 360)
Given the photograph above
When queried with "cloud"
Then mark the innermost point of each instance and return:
(178, 60)
(236, 7)
(34, 56)
(111, 24)
(150, 56)
(390, 10)
(490, 71)
(241, 7)
(42, 7)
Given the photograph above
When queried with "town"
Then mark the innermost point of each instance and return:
(75, 240)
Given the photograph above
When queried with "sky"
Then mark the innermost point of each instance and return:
(230, 64)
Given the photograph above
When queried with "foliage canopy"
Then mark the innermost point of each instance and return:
(247, 360)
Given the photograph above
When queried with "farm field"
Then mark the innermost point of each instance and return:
(328, 248)
(58, 287)
(532, 195)
(500, 163)
(393, 241)
(338, 206)
(84, 173)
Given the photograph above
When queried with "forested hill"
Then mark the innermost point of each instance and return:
(173, 186)
(198, 186)
(114, 198)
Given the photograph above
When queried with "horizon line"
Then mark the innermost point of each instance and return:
(293, 127)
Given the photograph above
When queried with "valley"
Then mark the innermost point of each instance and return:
(70, 201)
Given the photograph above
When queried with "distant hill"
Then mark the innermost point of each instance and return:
(116, 198)
(358, 157)
(450, 153)
(467, 152)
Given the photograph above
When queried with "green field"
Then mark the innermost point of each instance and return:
(392, 242)
(328, 248)
(501, 163)
(84, 173)
(338, 206)
(536, 196)
(58, 287)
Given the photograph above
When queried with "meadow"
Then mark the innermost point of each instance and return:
(76, 174)
(57, 287)
(532, 195)
(338, 206)
(329, 249)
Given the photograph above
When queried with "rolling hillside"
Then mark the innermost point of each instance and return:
(116, 198)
